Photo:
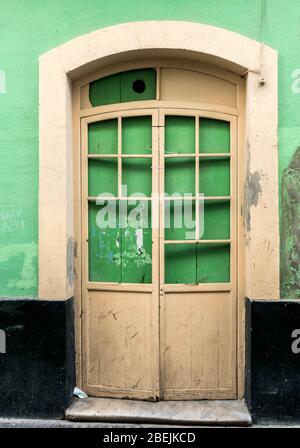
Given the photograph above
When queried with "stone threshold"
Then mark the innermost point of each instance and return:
(200, 413)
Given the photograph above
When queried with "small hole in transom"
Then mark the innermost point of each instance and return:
(139, 86)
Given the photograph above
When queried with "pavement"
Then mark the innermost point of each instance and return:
(53, 424)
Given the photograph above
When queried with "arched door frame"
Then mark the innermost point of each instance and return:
(83, 58)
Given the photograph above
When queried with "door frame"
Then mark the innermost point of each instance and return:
(238, 112)
(210, 110)
(158, 110)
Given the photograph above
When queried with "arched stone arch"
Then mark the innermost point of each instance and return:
(237, 53)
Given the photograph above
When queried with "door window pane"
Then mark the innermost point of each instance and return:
(120, 242)
(214, 136)
(216, 220)
(137, 135)
(180, 220)
(180, 175)
(105, 91)
(136, 244)
(103, 137)
(133, 85)
(179, 135)
(137, 176)
(103, 176)
(214, 176)
(180, 263)
(104, 246)
(213, 263)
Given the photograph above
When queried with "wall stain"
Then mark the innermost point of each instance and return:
(23, 257)
(290, 220)
(71, 249)
(11, 221)
(252, 189)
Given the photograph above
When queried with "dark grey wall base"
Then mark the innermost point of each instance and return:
(273, 368)
(37, 372)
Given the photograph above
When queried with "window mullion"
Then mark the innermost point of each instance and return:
(197, 176)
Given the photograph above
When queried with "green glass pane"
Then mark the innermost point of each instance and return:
(180, 175)
(121, 251)
(137, 135)
(216, 220)
(134, 85)
(180, 263)
(103, 176)
(213, 263)
(136, 252)
(180, 220)
(214, 176)
(104, 246)
(180, 135)
(103, 137)
(137, 176)
(138, 85)
(214, 136)
(105, 91)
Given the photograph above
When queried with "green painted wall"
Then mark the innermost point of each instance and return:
(29, 28)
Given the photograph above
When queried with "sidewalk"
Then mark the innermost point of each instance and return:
(35, 423)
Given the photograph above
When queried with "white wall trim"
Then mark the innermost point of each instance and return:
(80, 56)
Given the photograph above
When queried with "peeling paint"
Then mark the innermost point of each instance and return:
(70, 260)
(252, 189)
(139, 240)
(290, 243)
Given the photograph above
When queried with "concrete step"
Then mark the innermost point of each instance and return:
(200, 413)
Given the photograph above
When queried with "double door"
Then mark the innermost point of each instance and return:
(159, 254)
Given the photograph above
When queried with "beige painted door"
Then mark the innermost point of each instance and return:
(159, 271)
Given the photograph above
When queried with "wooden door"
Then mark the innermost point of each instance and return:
(159, 301)
(198, 256)
(120, 272)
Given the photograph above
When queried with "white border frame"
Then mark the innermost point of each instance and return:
(81, 56)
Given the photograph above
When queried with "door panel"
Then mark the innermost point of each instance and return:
(119, 344)
(199, 361)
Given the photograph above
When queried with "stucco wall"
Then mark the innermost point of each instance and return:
(29, 28)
